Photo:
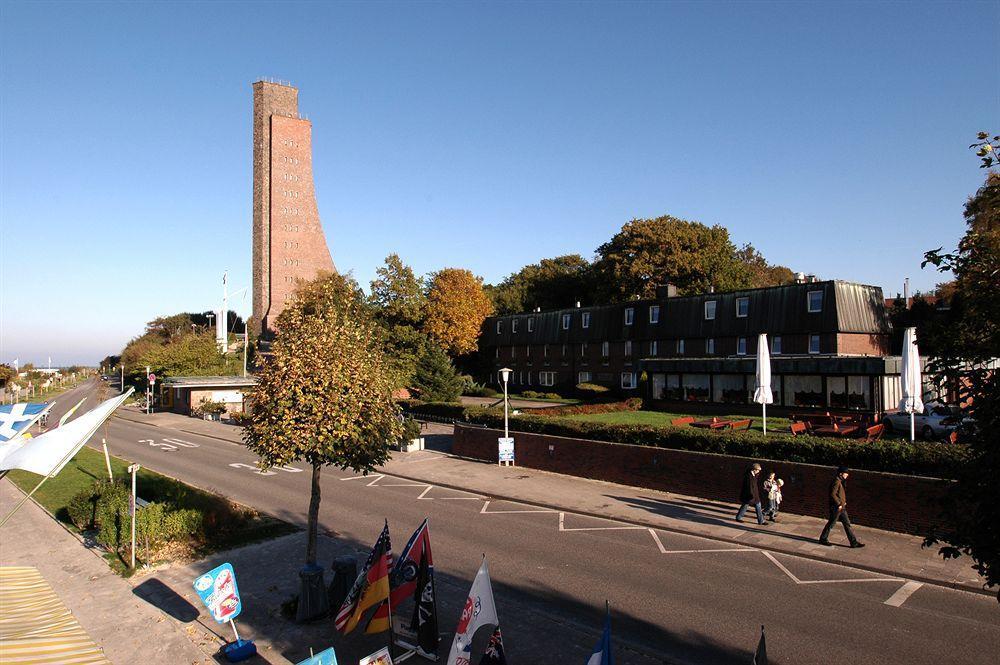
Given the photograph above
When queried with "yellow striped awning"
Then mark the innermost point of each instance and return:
(35, 626)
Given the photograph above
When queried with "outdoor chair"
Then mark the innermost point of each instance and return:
(686, 420)
(797, 428)
(874, 433)
(741, 424)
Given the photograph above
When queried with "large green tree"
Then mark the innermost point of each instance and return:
(324, 395)
(759, 273)
(398, 304)
(648, 252)
(436, 378)
(967, 346)
(549, 284)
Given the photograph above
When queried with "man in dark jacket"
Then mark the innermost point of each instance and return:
(838, 510)
(750, 494)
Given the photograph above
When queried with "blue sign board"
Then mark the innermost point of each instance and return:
(326, 657)
(217, 589)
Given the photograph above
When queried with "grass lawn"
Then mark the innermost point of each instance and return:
(662, 419)
(231, 525)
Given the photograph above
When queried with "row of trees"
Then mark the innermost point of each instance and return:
(642, 255)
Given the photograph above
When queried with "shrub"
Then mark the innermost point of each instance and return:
(920, 458)
(473, 389)
(238, 417)
(82, 508)
(436, 379)
(631, 404)
(551, 395)
(411, 429)
(112, 516)
(591, 389)
(208, 406)
(530, 394)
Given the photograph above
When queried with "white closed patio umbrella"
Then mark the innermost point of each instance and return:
(762, 393)
(912, 401)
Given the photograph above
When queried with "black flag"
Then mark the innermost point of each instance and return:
(425, 609)
(494, 654)
(760, 655)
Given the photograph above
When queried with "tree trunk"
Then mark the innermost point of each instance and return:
(313, 527)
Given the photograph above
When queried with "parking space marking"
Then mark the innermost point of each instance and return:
(902, 593)
(664, 550)
(781, 566)
(511, 512)
(562, 527)
(838, 581)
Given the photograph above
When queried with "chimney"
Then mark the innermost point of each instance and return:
(667, 290)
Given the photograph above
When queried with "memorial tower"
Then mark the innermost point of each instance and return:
(288, 240)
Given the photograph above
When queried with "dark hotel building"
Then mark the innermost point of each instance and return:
(828, 341)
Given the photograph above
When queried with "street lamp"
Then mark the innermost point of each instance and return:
(505, 374)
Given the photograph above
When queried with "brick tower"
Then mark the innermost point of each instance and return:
(288, 240)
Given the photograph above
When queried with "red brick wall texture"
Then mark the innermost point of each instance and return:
(901, 503)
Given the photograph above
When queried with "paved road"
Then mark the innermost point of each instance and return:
(676, 599)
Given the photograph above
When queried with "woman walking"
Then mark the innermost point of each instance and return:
(773, 486)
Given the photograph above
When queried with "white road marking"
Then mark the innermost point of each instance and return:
(511, 512)
(289, 469)
(562, 516)
(162, 446)
(182, 443)
(902, 593)
(241, 465)
(424, 493)
(841, 581)
(781, 566)
(664, 550)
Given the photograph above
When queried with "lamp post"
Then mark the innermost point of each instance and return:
(505, 374)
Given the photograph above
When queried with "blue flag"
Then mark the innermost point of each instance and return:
(602, 652)
(17, 418)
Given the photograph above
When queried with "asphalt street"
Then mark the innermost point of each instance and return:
(675, 598)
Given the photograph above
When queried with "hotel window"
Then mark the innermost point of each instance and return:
(513, 325)
(531, 324)
(565, 321)
(741, 346)
(529, 377)
(628, 380)
(709, 310)
(813, 343)
(585, 319)
(545, 351)
(742, 307)
(815, 299)
(605, 349)
(628, 349)
(776, 345)
(520, 377)
(583, 349)
(547, 378)
(680, 347)
(564, 350)
(654, 313)
(629, 315)
(710, 346)
(527, 351)
(583, 377)
(513, 352)
(498, 352)
(499, 326)
(654, 348)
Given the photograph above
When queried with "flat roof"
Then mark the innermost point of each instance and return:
(210, 381)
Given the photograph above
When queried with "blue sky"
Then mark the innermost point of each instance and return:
(831, 136)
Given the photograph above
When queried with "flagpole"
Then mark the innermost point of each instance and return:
(388, 604)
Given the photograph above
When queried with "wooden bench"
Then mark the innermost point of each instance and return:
(686, 420)
(741, 424)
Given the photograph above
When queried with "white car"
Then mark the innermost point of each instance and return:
(937, 421)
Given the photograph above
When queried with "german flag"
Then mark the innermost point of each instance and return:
(371, 587)
(403, 577)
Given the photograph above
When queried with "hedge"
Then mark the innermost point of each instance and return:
(918, 458)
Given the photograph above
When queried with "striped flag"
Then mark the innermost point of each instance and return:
(403, 578)
(371, 587)
(15, 419)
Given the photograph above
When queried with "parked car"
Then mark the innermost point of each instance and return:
(937, 421)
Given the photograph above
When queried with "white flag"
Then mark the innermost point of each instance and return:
(46, 454)
(479, 612)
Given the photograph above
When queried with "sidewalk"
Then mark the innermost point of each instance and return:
(887, 552)
(127, 628)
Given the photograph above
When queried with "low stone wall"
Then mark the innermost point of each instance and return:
(909, 504)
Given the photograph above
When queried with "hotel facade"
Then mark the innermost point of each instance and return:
(828, 341)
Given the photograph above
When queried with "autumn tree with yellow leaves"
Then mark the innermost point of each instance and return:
(457, 305)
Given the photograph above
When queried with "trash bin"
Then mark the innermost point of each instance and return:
(312, 601)
(345, 571)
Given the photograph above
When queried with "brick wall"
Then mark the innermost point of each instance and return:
(886, 501)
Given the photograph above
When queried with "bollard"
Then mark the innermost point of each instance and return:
(345, 571)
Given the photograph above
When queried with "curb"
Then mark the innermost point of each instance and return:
(959, 586)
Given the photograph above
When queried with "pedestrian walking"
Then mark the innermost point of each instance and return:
(838, 510)
(750, 494)
(773, 486)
